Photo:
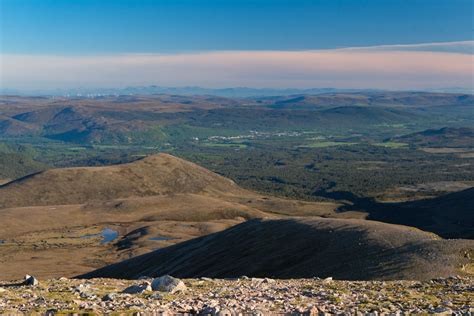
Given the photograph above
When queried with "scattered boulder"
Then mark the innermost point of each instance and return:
(51, 312)
(84, 291)
(30, 280)
(327, 280)
(208, 310)
(109, 297)
(207, 279)
(442, 311)
(169, 284)
(137, 289)
(155, 296)
(268, 280)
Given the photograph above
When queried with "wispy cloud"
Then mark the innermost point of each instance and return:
(418, 66)
(463, 47)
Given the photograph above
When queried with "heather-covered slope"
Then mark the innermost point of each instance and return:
(155, 175)
(305, 247)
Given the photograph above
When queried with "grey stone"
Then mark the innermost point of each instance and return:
(442, 311)
(208, 310)
(109, 297)
(156, 296)
(169, 284)
(87, 294)
(137, 289)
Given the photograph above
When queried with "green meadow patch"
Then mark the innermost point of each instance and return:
(227, 145)
(391, 144)
(327, 144)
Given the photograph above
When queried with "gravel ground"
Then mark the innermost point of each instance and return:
(244, 296)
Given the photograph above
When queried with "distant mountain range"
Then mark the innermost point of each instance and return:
(195, 90)
(161, 118)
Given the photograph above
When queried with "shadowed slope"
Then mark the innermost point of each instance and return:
(297, 247)
(450, 216)
(154, 175)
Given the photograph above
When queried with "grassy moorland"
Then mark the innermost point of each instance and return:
(357, 156)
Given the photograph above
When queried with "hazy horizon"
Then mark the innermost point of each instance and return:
(392, 45)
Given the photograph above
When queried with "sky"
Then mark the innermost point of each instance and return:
(386, 44)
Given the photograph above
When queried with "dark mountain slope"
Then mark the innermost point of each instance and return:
(450, 216)
(309, 247)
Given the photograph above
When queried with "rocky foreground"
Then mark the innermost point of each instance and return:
(243, 296)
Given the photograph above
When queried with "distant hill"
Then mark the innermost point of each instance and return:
(241, 92)
(356, 115)
(304, 247)
(383, 98)
(151, 119)
(155, 175)
(444, 137)
(153, 89)
(109, 119)
(17, 161)
(11, 127)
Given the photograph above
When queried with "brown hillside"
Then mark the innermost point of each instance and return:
(153, 197)
(155, 175)
(302, 248)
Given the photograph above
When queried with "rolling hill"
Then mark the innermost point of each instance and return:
(159, 195)
(303, 248)
(17, 161)
(445, 137)
(143, 119)
(155, 175)
(174, 200)
(375, 98)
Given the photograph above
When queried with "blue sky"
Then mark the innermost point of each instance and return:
(406, 44)
(138, 26)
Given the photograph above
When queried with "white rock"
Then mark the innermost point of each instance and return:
(327, 280)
